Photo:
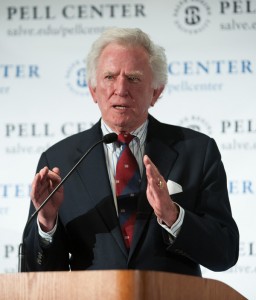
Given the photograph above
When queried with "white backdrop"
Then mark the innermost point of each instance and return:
(210, 47)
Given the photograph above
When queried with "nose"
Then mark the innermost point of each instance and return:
(121, 87)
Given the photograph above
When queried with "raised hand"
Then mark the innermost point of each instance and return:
(43, 184)
(158, 196)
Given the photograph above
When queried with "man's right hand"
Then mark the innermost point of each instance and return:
(43, 184)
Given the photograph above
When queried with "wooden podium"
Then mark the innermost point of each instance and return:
(112, 285)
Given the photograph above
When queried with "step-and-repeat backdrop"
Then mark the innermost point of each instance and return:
(211, 50)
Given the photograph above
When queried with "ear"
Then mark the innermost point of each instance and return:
(156, 94)
(93, 93)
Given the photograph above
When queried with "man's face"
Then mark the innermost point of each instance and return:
(124, 90)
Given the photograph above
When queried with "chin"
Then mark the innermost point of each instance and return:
(123, 123)
(120, 127)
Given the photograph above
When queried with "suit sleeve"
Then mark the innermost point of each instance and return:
(209, 235)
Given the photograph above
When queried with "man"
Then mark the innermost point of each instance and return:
(181, 217)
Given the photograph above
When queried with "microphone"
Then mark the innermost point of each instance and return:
(107, 139)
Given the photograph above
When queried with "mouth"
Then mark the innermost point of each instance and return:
(120, 107)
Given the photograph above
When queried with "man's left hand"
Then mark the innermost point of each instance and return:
(158, 196)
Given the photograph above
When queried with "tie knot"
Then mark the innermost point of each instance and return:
(125, 138)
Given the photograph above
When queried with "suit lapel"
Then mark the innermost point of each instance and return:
(92, 171)
(94, 175)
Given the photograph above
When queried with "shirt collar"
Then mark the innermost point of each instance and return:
(140, 133)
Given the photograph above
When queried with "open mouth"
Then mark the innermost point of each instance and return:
(120, 107)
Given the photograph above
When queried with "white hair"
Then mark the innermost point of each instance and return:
(128, 36)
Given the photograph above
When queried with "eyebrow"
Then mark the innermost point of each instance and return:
(136, 73)
(132, 73)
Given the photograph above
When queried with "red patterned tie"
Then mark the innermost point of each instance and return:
(127, 187)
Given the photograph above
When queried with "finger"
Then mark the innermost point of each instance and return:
(151, 167)
(56, 179)
(155, 179)
(148, 162)
(43, 173)
(54, 176)
(39, 179)
(35, 186)
(40, 185)
(56, 170)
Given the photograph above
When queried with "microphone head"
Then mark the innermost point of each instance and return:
(109, 138)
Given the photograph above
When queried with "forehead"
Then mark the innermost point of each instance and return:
(114, 54)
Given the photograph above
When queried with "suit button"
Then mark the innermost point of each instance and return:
(39, 258)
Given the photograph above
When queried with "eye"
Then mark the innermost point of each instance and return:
(133, 78)
(109, 77)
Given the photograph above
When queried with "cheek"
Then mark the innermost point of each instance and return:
(105, 91)
(148, 100)
(103, 104)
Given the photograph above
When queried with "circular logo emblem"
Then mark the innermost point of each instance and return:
(75, 77)
(196, 123)
(192, 16)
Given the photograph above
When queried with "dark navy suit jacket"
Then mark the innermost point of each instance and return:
(88, 235)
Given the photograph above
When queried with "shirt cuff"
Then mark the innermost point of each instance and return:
(175, 228)
(46, 237)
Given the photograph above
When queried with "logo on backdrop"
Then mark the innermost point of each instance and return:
(239, 187)
(192, 16)
(194, 75)
(11, 192)
(237, 15)
(239, 134)
(34, 138)
(76, 78)
(14, 191)
(49, 16)
(74, 11)
(196, 123)
(11, 72)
